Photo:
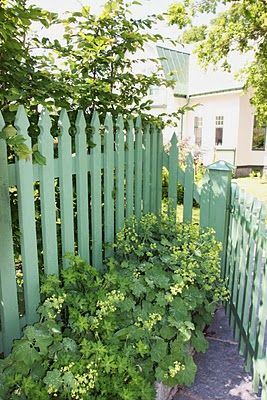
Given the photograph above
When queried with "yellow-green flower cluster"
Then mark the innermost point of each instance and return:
(55, 304)
(150, 322)
(85, 381)
(175, 369)
(107, 306)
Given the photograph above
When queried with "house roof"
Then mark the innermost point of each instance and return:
(192, 80)
(176, 66)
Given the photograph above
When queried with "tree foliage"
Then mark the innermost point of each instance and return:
(241, 27)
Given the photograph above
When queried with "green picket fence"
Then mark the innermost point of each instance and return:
(80, 199)
(246, 270)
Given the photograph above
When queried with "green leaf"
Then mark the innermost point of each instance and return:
(159, 350)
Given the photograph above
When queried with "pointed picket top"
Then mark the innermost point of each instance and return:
(108, 121)
(189, 161)
(64, 122)
(130, 125)
(174, 139)
(138, 123)
(95, 123)
(44, 123)
(22, 122)
(80, 122)
(2, 122)
(120, 123)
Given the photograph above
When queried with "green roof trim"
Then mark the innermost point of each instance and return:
(175, 65)
(217, 91)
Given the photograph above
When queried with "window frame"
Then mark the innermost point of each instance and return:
(219, 124)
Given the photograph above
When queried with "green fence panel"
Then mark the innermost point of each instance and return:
(96, 194)
(24, 171)
(146, 171)
(129, 170)
(138, 169)
(82, 187)
(8, 288)
(173, 176)
(47, 195)
(108, 185)
(119, 155)
(188, 189)
(66, 186)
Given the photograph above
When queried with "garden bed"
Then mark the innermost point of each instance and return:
(112, 335)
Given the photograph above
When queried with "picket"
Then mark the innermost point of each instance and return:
(82, 187)
(108, 185)
(27, 223)
(47, 195)
(146, 172)
(153, 190)
(173, 176)
(96, 194)
(119, 153)
(159, 171)
(138, 169)
(9, 312)
(130, 170)
(188, 189)
(66, 186)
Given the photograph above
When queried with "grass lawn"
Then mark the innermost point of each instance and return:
(257, 187)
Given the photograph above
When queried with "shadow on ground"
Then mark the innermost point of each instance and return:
(221, 374)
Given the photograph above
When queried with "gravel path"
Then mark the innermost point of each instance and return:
(221, 374)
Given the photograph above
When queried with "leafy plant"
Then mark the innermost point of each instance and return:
(111, 336)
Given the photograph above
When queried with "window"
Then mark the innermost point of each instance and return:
(198, 123)
(219, 130)
(259, 136)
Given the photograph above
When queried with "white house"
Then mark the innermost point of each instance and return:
(223, 123)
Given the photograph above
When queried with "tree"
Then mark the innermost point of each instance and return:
(241, 26)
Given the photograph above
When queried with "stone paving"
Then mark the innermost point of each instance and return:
(221, 374)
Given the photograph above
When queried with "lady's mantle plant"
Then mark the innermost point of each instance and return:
(111, 336)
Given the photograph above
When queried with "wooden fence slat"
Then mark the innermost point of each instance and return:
(173, 176)
(159, 171)
(204, 201)
(138, 169)
(119, 154)
(96, 194)
(47, 195)
(188, 189)
(108, 185)
(66, 186)
(130, 170)
(82, 187)
(154, 145)
(10, 325)
(146, 172)
(26, 209)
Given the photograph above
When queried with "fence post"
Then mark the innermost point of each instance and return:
(220, 174)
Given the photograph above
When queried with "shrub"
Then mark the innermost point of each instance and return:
(111, 336)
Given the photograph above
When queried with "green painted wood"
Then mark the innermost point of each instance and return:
(96, 194)
(159, 172)
(130, 170)
(204, 201)
(154, 150)
(27, 224)
(66, 186)
(8, 288)
(220, 178)
(47, 195)
(246, 269)
(146, 172)
(108, 185)
(173, 176)
(119, 157)
(82, 187)
(138, 169)
(188, 189)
